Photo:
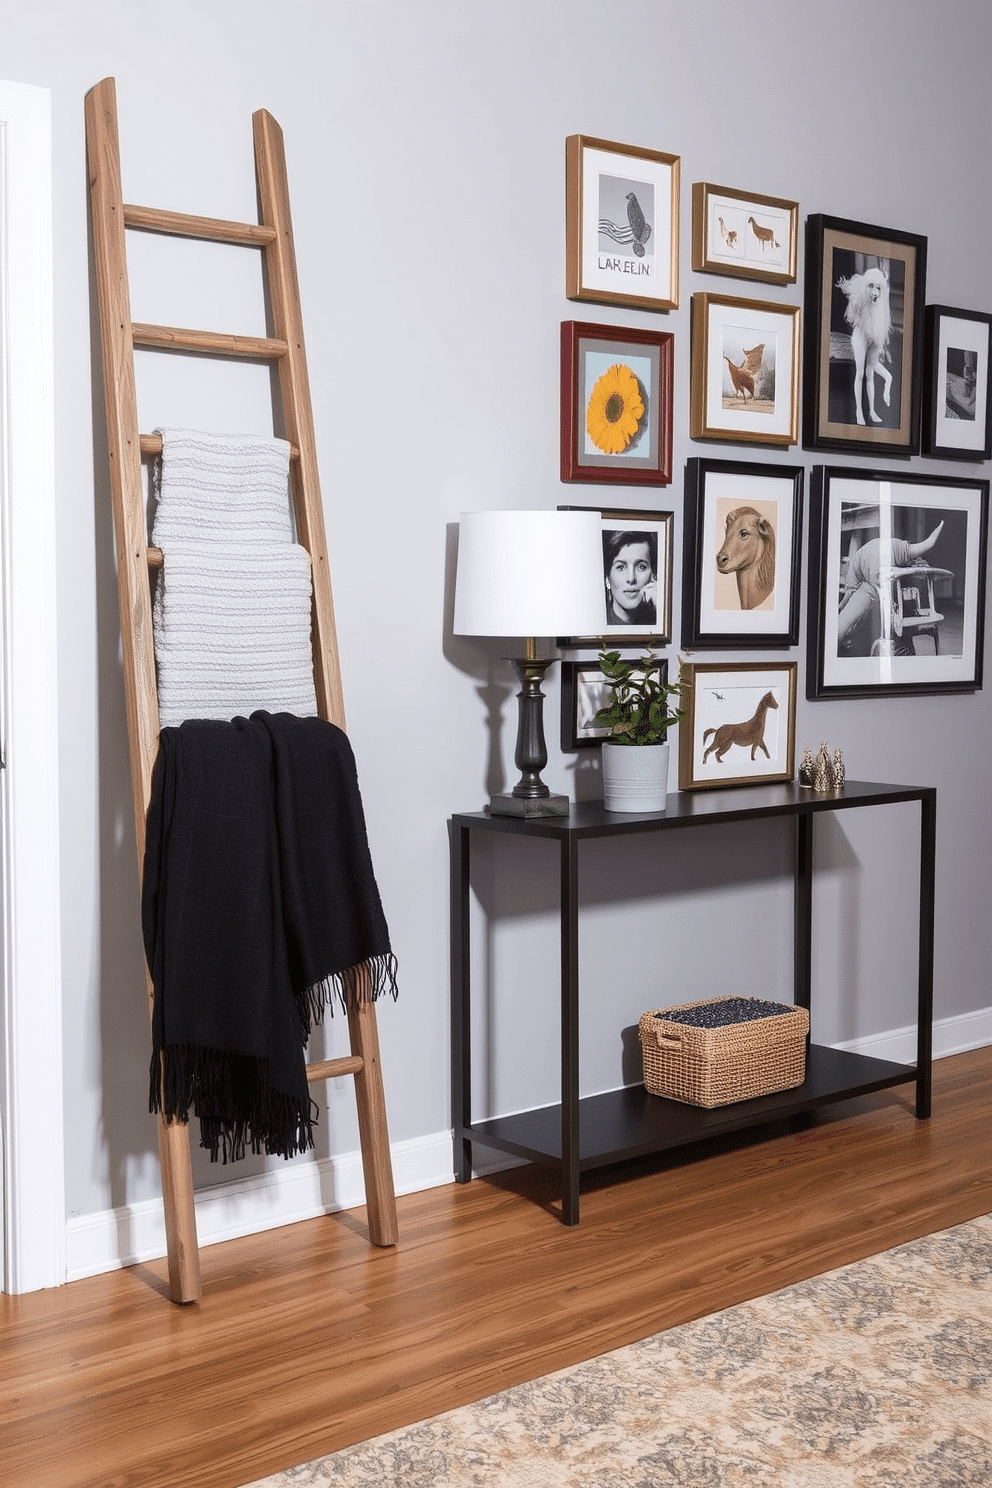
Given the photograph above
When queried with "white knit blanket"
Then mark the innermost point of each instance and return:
(232, 605)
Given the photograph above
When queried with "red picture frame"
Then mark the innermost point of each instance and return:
(616, 404)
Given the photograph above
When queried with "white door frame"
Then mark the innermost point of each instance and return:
(31, 1129)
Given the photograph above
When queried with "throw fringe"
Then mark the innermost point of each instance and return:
(351, 988)
(238, 1108)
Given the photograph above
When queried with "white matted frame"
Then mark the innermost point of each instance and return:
(621, 224)
(744, 370)
(957, 384)
(744, 234)
(739, 726)
(31, 1071)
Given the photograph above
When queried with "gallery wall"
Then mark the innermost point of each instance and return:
(425, 144)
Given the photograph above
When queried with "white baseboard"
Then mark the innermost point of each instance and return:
(113, 1238)
(950, 1036)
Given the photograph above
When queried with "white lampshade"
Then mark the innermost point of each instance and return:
(530, 573)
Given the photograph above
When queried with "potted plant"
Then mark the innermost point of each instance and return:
(640, 710)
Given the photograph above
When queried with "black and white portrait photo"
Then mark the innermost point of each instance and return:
(636, 578)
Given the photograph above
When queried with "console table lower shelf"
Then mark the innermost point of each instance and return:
(630, 1122)
(578, 1134)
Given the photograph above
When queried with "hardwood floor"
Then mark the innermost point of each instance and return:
(307, 1339)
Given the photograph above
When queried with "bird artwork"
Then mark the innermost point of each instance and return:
(639, 227)
(743, 374)
(635, 232)
(765, 235)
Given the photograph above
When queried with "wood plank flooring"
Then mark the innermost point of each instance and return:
(307, 1339)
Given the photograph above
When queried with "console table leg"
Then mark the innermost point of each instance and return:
(569, 1031)
(804, 911)
(461, 1003)
(924, 1048)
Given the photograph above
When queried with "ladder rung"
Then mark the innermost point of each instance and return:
(329, 1069)
(211, 229)
(173, 338)
(151, 444)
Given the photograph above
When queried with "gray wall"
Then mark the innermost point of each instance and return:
(426, 149)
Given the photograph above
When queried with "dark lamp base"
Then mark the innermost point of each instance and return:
(528, 805)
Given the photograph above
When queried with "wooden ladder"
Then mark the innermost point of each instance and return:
(136, 562)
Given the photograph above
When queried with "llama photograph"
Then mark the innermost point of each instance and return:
(866, 331)
(864, 335)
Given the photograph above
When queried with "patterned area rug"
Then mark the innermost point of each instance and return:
(877, 1375)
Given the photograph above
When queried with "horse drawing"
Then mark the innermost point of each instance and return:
(749, 735)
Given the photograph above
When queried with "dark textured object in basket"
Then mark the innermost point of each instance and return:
(723, 1049)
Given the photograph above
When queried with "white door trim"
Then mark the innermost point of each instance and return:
(31, 1127)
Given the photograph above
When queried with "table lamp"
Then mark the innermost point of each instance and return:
(530, 574)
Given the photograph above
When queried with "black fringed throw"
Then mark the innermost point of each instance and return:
(259, 908)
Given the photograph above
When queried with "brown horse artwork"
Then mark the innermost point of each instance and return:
(749, 552)
(749, 735)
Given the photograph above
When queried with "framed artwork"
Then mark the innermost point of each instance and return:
(584, 690)
(621, 224)
(865, 291)
(896, 583)
(616, 404)
(743, 234)
(739, 726)
(741, 555)
(957, 408)
(745, 370)
(637, 577)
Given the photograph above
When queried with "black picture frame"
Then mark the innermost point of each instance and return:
(657, 528)
(856, 274)
(957, 384)
(728, 606)
(913, 624)
(584, 690)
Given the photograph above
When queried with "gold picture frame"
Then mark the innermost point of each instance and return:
(744, 234)
(621, 224)
(739, 724)
(744, 370)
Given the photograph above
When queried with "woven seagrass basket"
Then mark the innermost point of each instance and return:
(755, 1048)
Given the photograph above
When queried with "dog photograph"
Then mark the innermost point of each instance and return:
(866, 339)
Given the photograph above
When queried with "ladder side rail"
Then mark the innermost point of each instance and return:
(141, 698)
(294, 388)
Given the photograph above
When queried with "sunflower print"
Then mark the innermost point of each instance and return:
(615, 410)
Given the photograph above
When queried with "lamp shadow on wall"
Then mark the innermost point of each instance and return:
(477, 658)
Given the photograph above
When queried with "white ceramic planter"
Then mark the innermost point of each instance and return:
(635, 777)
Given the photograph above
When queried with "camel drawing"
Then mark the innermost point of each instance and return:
(749, 552)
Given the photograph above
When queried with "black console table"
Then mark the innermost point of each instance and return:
(578, 1135)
